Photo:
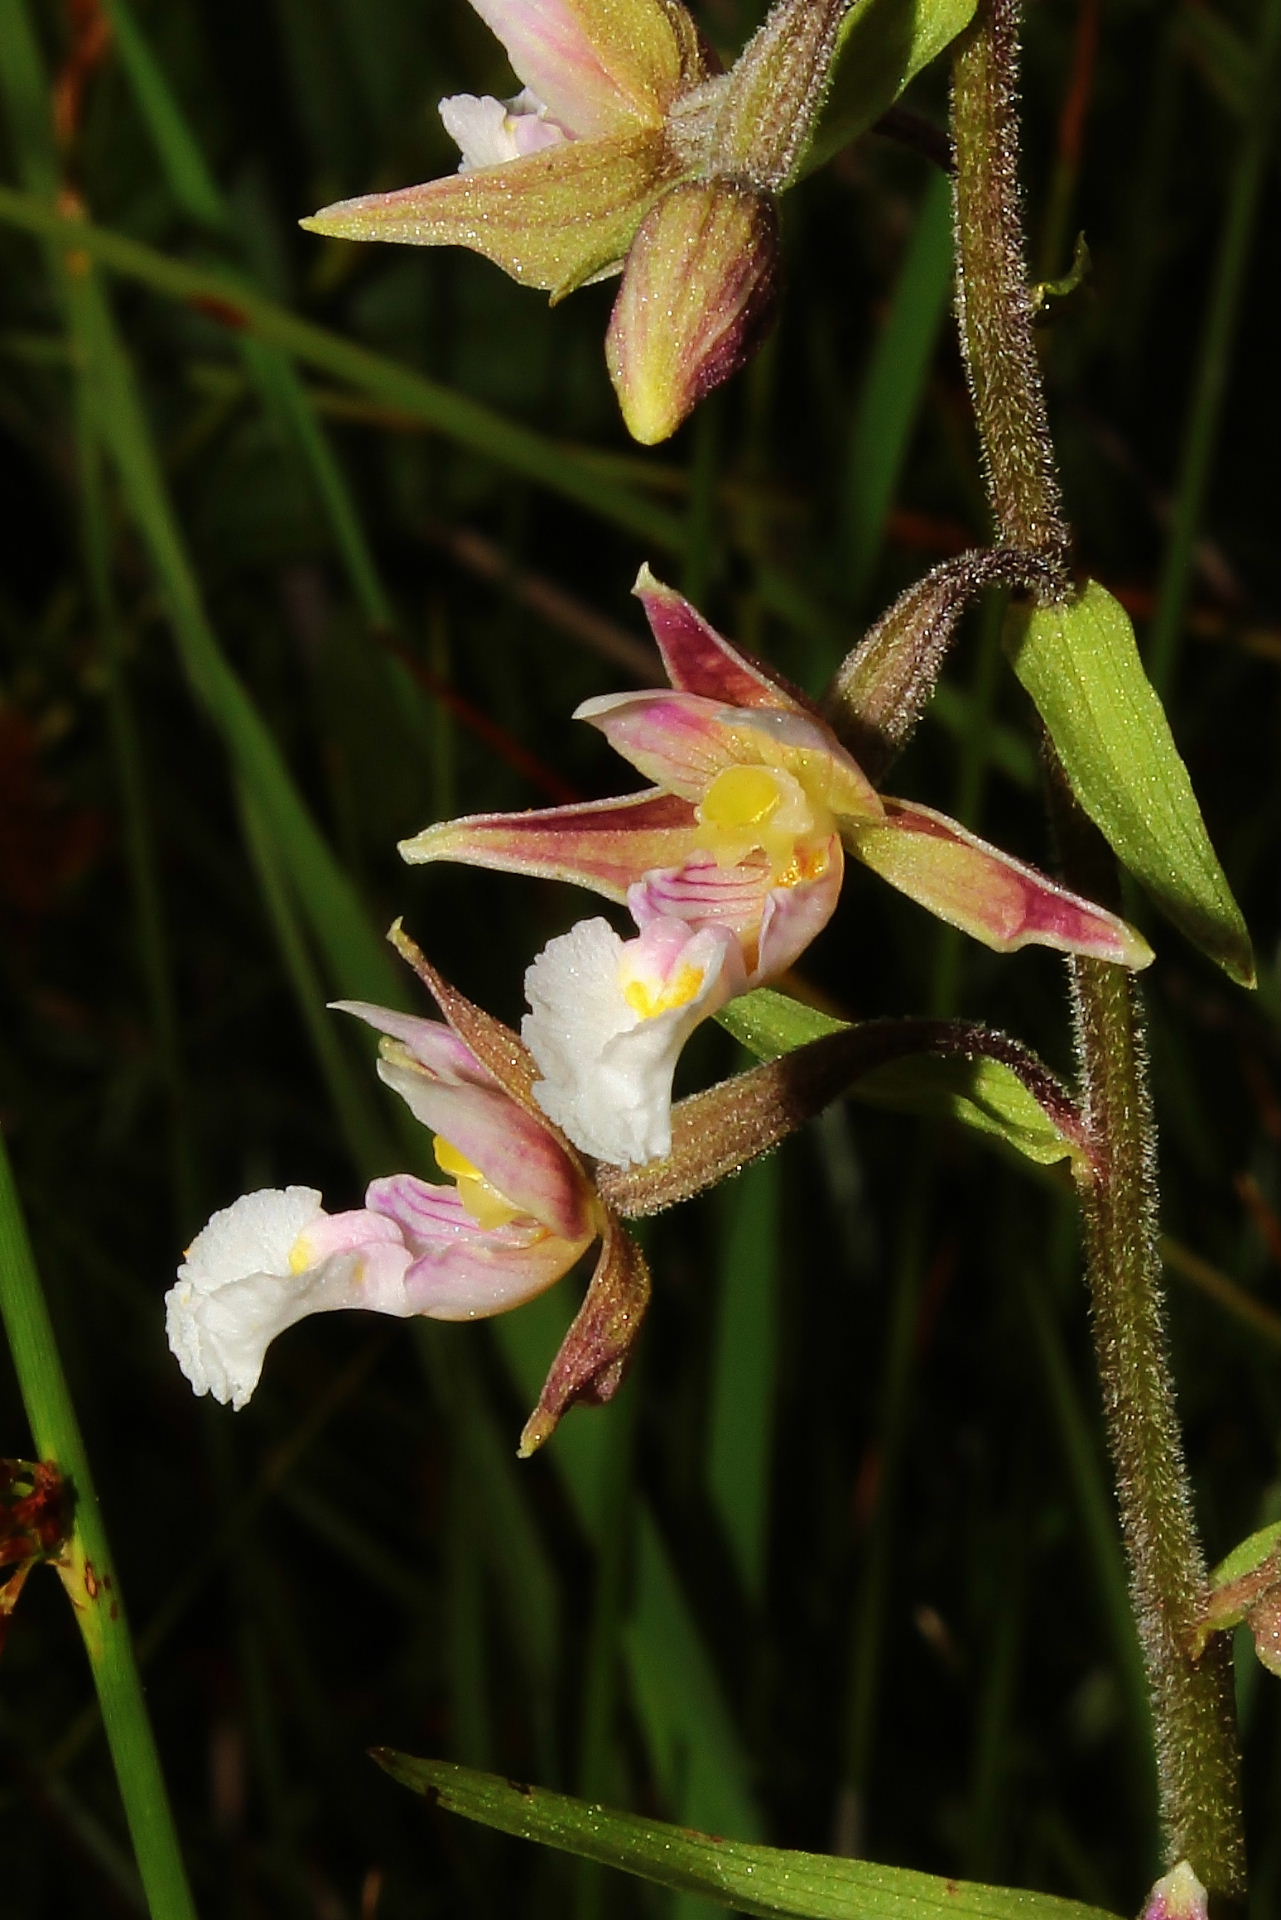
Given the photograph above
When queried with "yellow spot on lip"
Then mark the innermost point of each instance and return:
(649, 997)
(483, 1201)
(300, 1255)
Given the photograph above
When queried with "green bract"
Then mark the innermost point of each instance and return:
(984, 1094)
(1082, 668)
(882, 45)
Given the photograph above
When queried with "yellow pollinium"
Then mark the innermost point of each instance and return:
(741, 797)
(753, 807)
(648, 997)
(486, 1205)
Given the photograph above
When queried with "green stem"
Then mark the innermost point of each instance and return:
(1194, 1733)
(86, 1568)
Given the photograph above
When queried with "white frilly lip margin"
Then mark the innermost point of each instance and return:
(236, 1289)
(607, 1068)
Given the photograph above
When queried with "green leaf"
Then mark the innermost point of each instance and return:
(769, 1023)
(1082, 668)
(769, 1881)
(985, 1095)
(882, 45)
(1249, 1556)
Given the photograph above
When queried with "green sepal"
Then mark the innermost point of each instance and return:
(1081, 666)
(881, 46)
(983, 1094)
(767, 1881)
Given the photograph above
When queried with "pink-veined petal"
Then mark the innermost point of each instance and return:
(606, 844)
(601, 66)
(697, 298)
(461, 1271)
(520, 1159)
(772, 923)
(552, 219)
(986, 893)
(700, 660)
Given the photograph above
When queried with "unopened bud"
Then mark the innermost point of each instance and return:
(695, 301)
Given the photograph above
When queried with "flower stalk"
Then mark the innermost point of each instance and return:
(1194, 1732)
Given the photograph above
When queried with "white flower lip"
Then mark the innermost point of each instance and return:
(233, 1290)
(608, 1066)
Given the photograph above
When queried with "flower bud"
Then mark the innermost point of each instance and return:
(695, 302)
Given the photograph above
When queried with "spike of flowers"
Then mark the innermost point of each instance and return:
(626, 149)
(743, 835)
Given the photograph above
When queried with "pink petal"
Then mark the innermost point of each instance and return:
(700, 660)
(975, 887)
(605, 845)
(773, 924)
(599, 68)
(680, 740)
(433, 1044)
(796, 915)
(521, 1159)
(683, 740)
(552, 219)
(461, 1271)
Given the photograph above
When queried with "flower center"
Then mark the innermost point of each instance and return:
(749, 807)
(486, 1205)
(648, 996)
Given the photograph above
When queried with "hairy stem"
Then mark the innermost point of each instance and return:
(994, 302)
(1194, 1732)
(1192, 1708)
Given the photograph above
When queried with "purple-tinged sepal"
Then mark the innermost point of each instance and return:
(988, 894)
(595, 1353)
(697, 298)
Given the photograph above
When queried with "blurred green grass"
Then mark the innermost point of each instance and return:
(840, 1571)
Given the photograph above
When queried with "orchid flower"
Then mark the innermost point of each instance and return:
(518, 1212)
(743, 836)
(628, 149)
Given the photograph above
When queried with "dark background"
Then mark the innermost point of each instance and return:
(839, 1568)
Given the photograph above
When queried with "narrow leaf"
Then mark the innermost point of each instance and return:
(769, 1881)
(1082, 668)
